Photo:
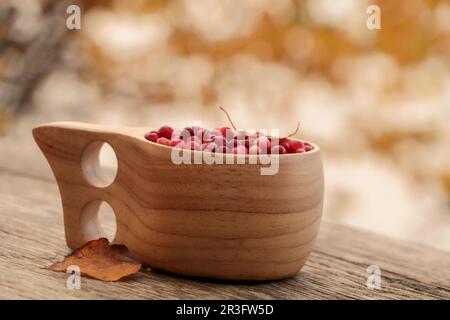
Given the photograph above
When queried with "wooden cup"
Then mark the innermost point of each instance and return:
(223, 221)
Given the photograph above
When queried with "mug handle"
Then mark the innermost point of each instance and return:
(72, 150)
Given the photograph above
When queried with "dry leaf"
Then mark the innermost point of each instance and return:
(100, 260)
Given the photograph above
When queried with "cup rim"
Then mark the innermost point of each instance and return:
(315, 150)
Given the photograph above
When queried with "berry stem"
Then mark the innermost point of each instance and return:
(295, 132)
(229, 118)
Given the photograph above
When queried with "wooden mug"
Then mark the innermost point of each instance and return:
(208, 220)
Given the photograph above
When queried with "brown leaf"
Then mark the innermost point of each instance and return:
(100, 260)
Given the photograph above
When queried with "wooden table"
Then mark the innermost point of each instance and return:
(32, 237)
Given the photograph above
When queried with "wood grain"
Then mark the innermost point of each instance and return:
(32, 237)
(216, 221)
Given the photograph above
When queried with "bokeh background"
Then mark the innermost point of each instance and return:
(376, 101)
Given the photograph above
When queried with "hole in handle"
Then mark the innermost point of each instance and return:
(99, 164)
(98, 220)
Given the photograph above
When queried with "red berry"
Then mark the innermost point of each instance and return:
(241, 138)
(227, 133)
(300, 150)
(259, 133)
(224, 131)
(286, 146)
(285, 142)
(294, 145)
(263, 143)
(239, 150)
(235, 142)
(201, 134)
(221, 149)
(308, 147)
(254, 149)
(196, 139)
(186, 133)
(196, 129)
(192, 145)
(210, 134)
(231, 144)
(177, 143)
(245, 143)
(278, 150)
(209, 146)
(249, 142)
(152, 136)
(219, 141)
(163, 141)
(165, 131)
(176, 134)
(240, 135)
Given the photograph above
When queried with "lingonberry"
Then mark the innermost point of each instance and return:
(152, 136)
(278, 150)
(241, 138)
(186, 133)
(239, 150)
(245, 143)
(231, 144)
(222, 149)
(211, 134)
(176, 134)
(259, 133)
(196, 129)
(219, 141)
(177, 143)
(209, 146)
(308, 147)
(192, 145)
(166, 132)
(285, 142)
(263, 143)
(201, 134)
(224, 131)
(294, 145)
(250, 141)
(254, 149)
(196, 139)
(240, 135)
(163, 141)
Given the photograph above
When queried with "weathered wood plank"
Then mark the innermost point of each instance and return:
(32, 237)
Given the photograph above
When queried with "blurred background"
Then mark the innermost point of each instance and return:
(376, 101)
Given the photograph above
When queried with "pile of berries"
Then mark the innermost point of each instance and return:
(225, 140)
